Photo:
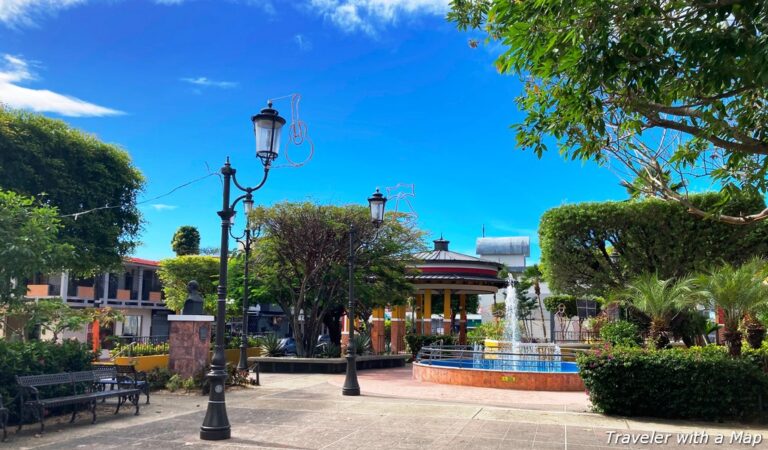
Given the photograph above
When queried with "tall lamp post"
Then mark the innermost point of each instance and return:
(266, 126)
(245, 240)
(376, 204)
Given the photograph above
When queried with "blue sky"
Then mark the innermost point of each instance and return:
(391, 93)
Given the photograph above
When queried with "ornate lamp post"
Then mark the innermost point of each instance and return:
(266, 126)
(245, 240)
(376, 204)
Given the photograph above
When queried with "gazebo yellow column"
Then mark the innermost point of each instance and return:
(463, 319)
(446, 312)
(427, 319)
(418, 312)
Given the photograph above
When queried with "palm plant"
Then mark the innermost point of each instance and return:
(271, 345)
(740, 293)
(662, 301)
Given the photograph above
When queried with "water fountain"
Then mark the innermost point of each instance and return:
(519, 365)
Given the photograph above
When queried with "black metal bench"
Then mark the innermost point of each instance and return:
(3, 418)
(109, 375)
(77, 388)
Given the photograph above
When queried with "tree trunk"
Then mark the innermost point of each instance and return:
(733, 342)
(755, 335)
(332, 320)
(657, 335)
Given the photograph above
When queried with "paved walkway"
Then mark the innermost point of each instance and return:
(308, 411)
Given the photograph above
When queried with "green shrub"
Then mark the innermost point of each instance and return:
(330, 350)
(416, 342)
(486, 330)
(174, 383)
(362, 344)
(35, 358)
(158, 377)
(695, 383)
(190, 384)
(622, 333)
(137, 349)
(270, 345)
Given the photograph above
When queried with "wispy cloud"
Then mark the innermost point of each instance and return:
(304, 44)
(24, 12)
(207, 82)
(169, 2)
(15, 70)
(368, 16)
(163, 207)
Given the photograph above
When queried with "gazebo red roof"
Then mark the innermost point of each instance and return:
(444, 269)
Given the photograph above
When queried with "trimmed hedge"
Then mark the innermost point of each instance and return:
(695, 383)
(416, 341)
(38, 357)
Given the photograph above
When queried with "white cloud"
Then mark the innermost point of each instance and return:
(369, 15)
(163, 207)
(23, 12)
(304, 44)
(204, 81)
(15, 70)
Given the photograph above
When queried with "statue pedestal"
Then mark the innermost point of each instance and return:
(189, 342)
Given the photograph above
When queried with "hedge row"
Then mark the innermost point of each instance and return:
(35, 358)
(695, 383)
(416, 341)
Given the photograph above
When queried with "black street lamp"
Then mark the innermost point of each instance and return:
(266, 126)
(245, 240)
(376, 203)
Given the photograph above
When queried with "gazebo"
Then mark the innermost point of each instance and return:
(435, 272)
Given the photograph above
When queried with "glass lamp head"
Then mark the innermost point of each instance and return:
(267, 126)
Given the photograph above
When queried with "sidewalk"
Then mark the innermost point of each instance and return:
(308, 411)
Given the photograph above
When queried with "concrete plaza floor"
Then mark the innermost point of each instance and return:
(394, 411)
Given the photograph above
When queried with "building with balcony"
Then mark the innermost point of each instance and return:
(135, 290)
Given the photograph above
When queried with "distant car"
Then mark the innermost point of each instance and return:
(289, 345)
(323, 339)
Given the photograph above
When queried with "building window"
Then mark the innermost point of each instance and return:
(132, 326)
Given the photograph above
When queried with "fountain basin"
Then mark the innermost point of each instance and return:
(466, 374)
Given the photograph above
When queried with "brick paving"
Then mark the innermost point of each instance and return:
(308, 411)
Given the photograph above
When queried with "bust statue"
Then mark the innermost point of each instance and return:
(194, 303)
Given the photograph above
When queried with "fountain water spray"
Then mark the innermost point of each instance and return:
(511, 325)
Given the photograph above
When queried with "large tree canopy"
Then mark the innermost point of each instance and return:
(595, 248)
(74, 172)
(28, 244)
(664, 92)
(303, 254)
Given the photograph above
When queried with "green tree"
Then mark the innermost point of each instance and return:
(662, 301)
(186, 241)
(532, 277)
(739, 291)
(29, 244)
(303, 262)
(595, 248)
(76, 173)
(668, 91)
(175, 273)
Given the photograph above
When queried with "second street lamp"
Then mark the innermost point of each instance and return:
(245, 240)
(266, 127)
(376, 203)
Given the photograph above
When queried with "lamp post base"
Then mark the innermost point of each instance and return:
(216, 423)
(351, 387)
(243, 363)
